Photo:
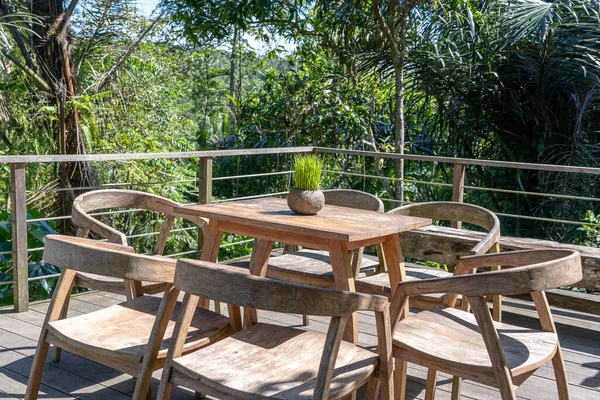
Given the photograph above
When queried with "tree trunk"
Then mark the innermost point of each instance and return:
(399, 130)
(389, 29)
(52, 45)
(232, 96)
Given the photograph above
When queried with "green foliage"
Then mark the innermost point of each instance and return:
(307, 98)
(592, 231)
(307, 172)
(36, 233)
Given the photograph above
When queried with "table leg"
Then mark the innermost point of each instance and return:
(210, 248)
(344, 280)
(258, 266)
(212, 241)
(395, 263)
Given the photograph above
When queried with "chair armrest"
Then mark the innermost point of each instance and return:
(508, 259)
(526, 271)
(486, 243)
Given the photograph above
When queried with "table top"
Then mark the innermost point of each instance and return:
(332, 222)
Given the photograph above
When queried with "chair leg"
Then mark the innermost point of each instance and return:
(305, 320)
(63, 314)
(400, 371)
(372, 389)
(562, 383)
(199, 395)
(505, 385)
(165, 389)
(430, 386)
(37, 367)
(456, 382)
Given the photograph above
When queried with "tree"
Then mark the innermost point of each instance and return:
(46, 56)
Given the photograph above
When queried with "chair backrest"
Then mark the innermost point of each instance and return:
(107, 259)
(524, 271)
(108, 199)
(236, 286)
(353, 199)
(455, 212)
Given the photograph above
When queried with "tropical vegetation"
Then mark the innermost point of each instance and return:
(513, 80)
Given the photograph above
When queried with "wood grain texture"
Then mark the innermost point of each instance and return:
(258, 267)
(458, 188)
(445, 254)
(466, 161)
(451, 211)
(312, 267)
(123, 331)
(277, 362)
(460, 349)
(344, 280)
(78, 377)
(106, 259)
(546, 269)
(131, 337)
(473, 346)
(496, 349)
(18, 196)
(334, 228)
(153, 156)
(446, 243)
(208, 280)
(332, 222)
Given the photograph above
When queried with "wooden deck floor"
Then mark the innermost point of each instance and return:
(76, 377)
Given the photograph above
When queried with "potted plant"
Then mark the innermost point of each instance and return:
(306, 196)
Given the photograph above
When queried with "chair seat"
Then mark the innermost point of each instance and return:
(379, 284)
(311, 267)
(123, 330)
(451, 340)
(271, 361)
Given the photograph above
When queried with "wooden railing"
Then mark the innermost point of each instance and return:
(18, 188)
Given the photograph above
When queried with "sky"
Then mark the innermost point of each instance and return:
(147, 6)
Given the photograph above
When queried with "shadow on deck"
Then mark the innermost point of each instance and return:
(76, 377)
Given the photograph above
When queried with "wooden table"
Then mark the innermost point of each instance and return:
(335, 229)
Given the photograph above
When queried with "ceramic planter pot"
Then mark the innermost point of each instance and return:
(307, 202)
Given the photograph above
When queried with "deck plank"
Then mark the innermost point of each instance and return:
(76, 377)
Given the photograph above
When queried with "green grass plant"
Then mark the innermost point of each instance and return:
(307, 172)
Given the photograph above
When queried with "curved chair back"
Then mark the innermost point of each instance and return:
(455, 212)
(353, 199)
(234, 285)
(106, 259)
(109, 199)
(524, 271)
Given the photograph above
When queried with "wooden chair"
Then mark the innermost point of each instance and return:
(132, 336)
(473, 346)
(110, 199)
(270, 361)
(97, 200)
(414, 245)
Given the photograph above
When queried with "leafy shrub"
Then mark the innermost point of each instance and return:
(36, 234)
(592, 232)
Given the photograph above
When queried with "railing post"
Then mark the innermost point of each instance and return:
(19, 237)
(204, 191)
(458, 187)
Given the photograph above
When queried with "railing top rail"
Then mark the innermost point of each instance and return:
(291, 150)
(152, 156)
(466, 161)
